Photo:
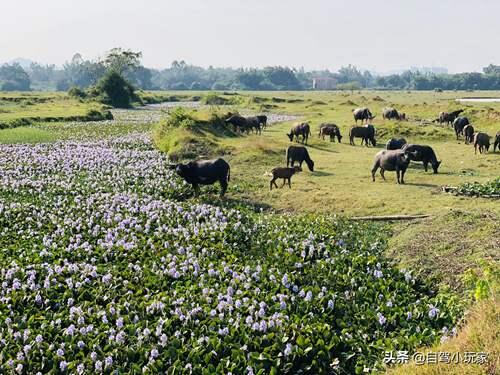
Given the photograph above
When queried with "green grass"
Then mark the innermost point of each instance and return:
(42, 105)
(26, 135)
(342, 182)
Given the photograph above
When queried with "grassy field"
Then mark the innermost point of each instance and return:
(341, 182)
(15, 106)
(461, 236)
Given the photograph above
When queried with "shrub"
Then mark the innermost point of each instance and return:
(76, 92)
(113, 89)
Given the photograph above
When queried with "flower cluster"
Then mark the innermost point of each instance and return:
(102, 270)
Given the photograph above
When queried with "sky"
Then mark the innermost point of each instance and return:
(381, 36)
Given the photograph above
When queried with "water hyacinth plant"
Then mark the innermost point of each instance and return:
(104, 268)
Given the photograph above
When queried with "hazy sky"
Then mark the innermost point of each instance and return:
(461, 35)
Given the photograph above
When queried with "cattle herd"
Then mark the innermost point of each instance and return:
(396, 156)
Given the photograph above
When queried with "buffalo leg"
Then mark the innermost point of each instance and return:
(374, 169)
(290, 182)
(284, 182)
(223, 185)
(196, 189)
(273, 181)
(403, 175)
(382, 171)
(398, 174)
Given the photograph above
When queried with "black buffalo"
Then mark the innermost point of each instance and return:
(362, 114)
(299, 154)
(262, 120)
(391, 160)
(331, 130)
(389, 113)
(459, 124)
(449, 117)
(424, 154)
(395, 144)
(481, 141)
(245, 124)
(468, 134)
(366, 133)
(205, 172)
(302, 129)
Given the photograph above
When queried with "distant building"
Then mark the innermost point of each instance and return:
(324, 83)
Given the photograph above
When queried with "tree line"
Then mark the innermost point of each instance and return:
(83, 73)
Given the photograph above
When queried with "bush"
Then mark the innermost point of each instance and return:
(114, 90)
(76, 92)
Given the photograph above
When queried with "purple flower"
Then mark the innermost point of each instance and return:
(381, 319)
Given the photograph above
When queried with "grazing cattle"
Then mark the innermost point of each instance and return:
(424, 154)
(459, 124)
(284, 173)
(468, 133)
(391, 160)
(366, 133)
(242, 124)
(298, 154)
(449, 117)
(481, 140)
(497, 143)
(331, 130)
(205, 172)
(362, 114)
(389, 113)
(262, 121)
(395, 144)
(302, 129)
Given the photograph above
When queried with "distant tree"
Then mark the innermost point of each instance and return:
(14, 78)
(250, 79)
(113, 89)
(121, 60)
(41, 73)
(351, 86)
(62, 85)
(140, 77)
(282, 77)
(491, 69)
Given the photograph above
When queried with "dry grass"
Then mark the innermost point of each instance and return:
(480, 333)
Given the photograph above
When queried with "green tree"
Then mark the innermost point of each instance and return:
(115, 90)
(121, 60)
(14, 78)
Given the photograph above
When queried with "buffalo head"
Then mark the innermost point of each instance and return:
(182, 170)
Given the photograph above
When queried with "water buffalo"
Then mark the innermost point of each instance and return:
(284, 173)
(497, 143)
(331, 130)
(298, 154)
(362, 114)
(262, 120)
(302, 129)
(481, 140)
(205, 172)
(395, 144)
(459, 124)
(244, 123)
(424, 154)
(389, 113)
(391, 160)
(468, 133)
(366, 133)
(449, 117)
